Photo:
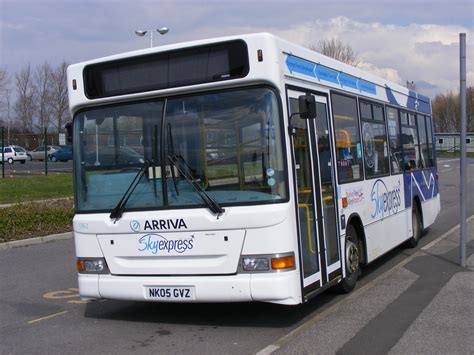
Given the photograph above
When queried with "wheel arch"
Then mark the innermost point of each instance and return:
(417, 203)
(355, 220)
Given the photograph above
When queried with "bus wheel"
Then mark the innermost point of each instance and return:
(415, 226)
(352, 258)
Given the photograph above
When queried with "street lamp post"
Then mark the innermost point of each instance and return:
(161, 31)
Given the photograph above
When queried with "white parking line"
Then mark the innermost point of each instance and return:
(47, 317)
(447, 161)
(440, 238)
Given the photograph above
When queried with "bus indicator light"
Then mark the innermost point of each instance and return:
(286, 262)
(344, 202)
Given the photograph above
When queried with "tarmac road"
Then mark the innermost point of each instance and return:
(398, 304)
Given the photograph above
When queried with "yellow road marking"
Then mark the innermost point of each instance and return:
(78, 302)
(47, 317)
(69, 293)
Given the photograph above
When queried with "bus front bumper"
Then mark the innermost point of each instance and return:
(281, 288)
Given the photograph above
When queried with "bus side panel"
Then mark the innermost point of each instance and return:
(386, 234)
(423, 184)
(430, 210)
(380, 204)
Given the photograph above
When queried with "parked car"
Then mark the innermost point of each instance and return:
(13, 153)
(108, 156)
(38, 153)
(64, 154)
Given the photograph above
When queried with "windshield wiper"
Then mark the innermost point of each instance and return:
(117, 212)
(184, 169)
(171, 149)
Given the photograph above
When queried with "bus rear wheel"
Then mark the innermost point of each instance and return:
(352, 258)
(416, 227)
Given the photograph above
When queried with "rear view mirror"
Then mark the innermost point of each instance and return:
(68, 127)
(307, 106)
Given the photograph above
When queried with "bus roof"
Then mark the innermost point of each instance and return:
(296, 62)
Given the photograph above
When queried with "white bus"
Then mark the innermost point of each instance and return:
(243, 168)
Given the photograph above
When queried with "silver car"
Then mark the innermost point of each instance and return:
(38, 153)
(13, 153)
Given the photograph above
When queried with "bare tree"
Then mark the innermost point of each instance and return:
(42, 90)
(25, 106)
(4, 87)
(470, 109)
(338, 50)
(446, 112)
(59, 99)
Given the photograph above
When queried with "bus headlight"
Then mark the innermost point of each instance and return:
(92, 266)
(255, 264)
(268, 262)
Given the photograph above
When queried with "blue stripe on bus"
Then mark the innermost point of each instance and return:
(421, 183)
(327, 74)
(390, 97)
(365, 86)
(348, 81)
(411, 102)
(301, 66)
(320, 72)
(424, 107)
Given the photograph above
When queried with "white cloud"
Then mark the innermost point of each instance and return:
(415, 52)
(387, 73)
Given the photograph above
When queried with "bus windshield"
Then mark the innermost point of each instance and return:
(229, 142)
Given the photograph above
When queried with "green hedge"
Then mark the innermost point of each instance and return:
(28, 220)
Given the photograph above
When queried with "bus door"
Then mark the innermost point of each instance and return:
(313, 169)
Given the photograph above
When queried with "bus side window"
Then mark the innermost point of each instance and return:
(394, 138)
(410, 144)
(429, 132)
(424, 146)
(374, 139)
(348, 145)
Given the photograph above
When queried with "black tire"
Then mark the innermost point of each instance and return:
(23, 161)
(353, 257)
(30, 158)
(10, 160)
(416, 227)
(53, 158)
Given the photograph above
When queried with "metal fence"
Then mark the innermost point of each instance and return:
(451, 142)
(24, 154)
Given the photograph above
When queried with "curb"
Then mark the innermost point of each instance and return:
(6, 205)
(34, 241)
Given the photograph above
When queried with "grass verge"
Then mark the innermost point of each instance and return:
(456, 154)
(30, 188)
(35, 219)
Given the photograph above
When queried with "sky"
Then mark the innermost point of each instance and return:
(399, 40)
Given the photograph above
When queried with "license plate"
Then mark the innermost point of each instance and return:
(167, 293)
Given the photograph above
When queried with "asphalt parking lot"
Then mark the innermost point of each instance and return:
(36, 167)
